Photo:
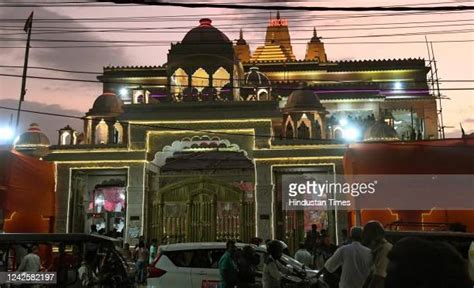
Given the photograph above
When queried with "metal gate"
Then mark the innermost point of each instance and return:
(201, 209)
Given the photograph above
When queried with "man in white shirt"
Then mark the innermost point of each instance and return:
(31, 262)
(303, 256)
(355, 259)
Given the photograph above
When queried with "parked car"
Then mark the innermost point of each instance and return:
(64, 254)
(195, 265)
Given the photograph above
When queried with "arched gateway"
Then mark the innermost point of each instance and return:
(202, 209)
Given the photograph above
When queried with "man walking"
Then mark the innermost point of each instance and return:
(31, 262)
(355, 259)
(374, 238)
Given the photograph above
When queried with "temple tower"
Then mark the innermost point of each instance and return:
(315, 49)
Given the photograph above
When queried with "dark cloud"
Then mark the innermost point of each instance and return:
(87, 59)
(49, 124)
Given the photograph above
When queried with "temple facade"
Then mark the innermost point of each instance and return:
(195, 149)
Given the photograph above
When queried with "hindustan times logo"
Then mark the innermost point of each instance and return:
(328, 188)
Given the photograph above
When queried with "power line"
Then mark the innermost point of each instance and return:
(240, 6)
(295, 8)
(51, 69)
(225, 17)
(157, 31)
(186, 28)
(166, 45)
(351, 89)
(253, 41)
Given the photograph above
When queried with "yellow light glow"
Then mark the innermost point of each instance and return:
(302, 147)
(11, 217)
(202, 121)
(98, 150)
(100, 161)
(250, 132)
(300, 158)
(423, 215)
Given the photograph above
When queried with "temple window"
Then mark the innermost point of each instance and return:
(140, 96)
(317, 130)
(220, 78)
(303, 131)
(338, 133)
(101, 133)
(289, 131)
(65, 138)
(200, 79)
(263, 95)
(118, 133)
(179, 81)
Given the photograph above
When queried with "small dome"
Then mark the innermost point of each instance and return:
(381, 131)
(303, 98)
(106, 104)
(205, 33)
(255, 78)
(33, 137)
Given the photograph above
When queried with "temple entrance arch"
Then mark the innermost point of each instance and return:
(202, 209)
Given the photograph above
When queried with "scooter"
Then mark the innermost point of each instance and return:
(295, 278)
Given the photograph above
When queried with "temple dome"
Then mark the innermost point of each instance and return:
(303, 99)
(381, 131)
(106, 104)
(255, 78)
(205, 33)
(33, 137)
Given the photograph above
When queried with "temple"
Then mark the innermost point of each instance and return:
(196, 149)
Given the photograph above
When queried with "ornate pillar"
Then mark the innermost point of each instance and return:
(93, 126)
(211, 77)
(111, 131)
(264, 201)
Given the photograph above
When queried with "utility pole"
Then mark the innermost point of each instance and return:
(27, 28)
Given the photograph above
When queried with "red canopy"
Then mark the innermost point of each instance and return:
(26, 193)
(450, 156)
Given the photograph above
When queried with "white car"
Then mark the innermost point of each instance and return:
(195, 265)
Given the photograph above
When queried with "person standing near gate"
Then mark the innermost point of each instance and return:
(355, 260)
(228, 267)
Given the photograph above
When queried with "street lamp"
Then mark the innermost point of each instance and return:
(398, 85)
(6, 134)
(351, 134)
(123, 92)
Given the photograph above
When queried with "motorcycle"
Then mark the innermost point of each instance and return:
(296, 278)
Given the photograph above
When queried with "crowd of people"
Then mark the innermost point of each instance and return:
(366, 259)
(142, 255)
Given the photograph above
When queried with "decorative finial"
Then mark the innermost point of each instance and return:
(241, 34)
(315, 34)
